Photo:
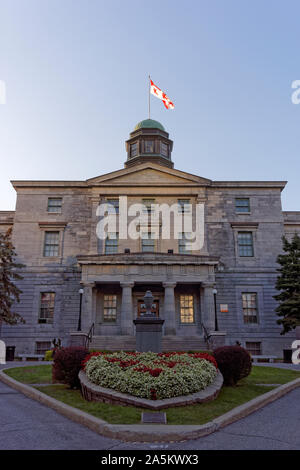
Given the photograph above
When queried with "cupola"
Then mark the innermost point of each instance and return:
(149, 142)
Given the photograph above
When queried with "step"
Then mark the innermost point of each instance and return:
(169, 343)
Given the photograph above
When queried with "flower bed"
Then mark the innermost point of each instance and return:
(150, 375)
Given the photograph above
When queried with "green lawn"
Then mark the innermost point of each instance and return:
(229, 397)
(31, 374)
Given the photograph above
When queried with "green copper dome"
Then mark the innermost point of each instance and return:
(149, 124)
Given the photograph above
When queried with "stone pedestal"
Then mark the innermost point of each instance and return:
(77, 338)
(148, 334)
(148, 328)
(217, 339)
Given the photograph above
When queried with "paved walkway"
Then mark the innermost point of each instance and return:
(26, 424)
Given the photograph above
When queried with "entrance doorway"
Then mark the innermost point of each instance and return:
(142, 307)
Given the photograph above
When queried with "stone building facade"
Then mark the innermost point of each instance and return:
(224, 290)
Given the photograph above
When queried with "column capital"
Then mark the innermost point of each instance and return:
(208, 285)
(169, 284)
(87, 284)
(127, 284)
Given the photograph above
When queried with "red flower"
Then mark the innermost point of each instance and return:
(205, 356)
(153, 394)
(88, 357)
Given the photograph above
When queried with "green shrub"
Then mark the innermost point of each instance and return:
(48, 355)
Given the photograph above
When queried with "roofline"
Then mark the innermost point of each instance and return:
(250, 184)
(88, 183)
(46, 183)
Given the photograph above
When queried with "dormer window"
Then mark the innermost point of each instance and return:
(133, 150)
(149, 146)
(164, 149)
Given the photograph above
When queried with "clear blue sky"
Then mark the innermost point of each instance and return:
(76, 78)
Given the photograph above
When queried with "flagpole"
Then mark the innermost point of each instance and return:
(149, 95)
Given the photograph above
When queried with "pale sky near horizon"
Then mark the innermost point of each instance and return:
(76, 75)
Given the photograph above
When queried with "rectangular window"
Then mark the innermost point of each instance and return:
(164, 149)
(253, 348)
(184, 205)
(187, 309)
(245, 243)
(42, 346)
(51, 244)
(111, 243)
(242, 205)
(148, 205)
(110, 308)
(149, 146)
(115, 206)
(148, 243)
(46, 312)
(185, 244)
(249, 300)
(133, 150)
(54, 204)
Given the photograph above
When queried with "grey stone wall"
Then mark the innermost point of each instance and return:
(77, 223)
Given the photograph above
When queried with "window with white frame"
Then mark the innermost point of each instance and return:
(184, 243)
(148, 203)
(46, 311)
(245, 244)
(51, 244)
(110, 308)
(242, 205)
(54, 204)
(148, 242)
(111, 243)
(187, 309)
(253, 347)
(113, 207)
(42, 346)
(250, 310)
(184, 205)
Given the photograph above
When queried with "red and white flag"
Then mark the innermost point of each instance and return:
(161, 95)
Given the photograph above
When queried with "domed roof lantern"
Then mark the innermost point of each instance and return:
(149, 141)
(149, 124)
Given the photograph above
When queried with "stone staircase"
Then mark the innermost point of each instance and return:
(169, 343)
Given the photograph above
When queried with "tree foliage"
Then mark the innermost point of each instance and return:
(288, 283)
(9, 292)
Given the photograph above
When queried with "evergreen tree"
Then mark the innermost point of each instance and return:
(288, 283)
(9, 292)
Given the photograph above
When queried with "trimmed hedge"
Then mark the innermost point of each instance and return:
(234, 363)
(67, 364)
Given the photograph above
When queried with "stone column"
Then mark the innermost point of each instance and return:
(208, 307)
(127, 308)
(87, 306)
(169, 308)
(94, 203)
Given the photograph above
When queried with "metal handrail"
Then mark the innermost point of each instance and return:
(89, 336)
(207, 336)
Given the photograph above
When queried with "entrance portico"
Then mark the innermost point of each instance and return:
(182, 287)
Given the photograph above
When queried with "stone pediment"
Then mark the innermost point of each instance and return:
(148, 174)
